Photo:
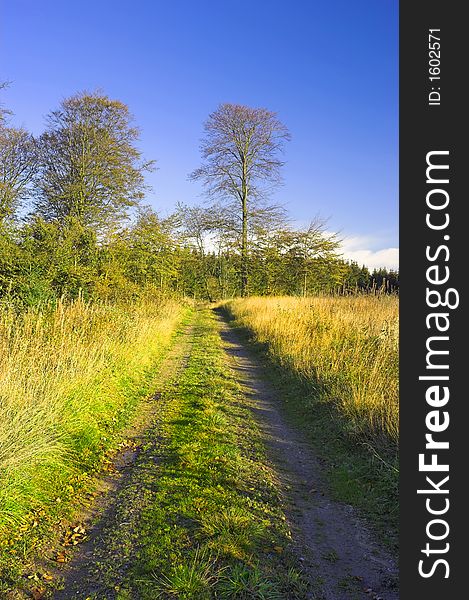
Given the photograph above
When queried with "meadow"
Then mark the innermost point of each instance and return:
(208, 516)
(345, 348)
(71, 374)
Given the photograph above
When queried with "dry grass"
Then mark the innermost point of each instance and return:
(345, 347)
(68, 375)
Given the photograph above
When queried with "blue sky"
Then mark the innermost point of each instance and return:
(329, 68)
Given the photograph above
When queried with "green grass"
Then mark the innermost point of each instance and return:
(71, 378)
(354, 474)
(214, 527)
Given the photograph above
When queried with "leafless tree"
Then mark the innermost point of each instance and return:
(4, 112)
(18, 162)
(241, 165)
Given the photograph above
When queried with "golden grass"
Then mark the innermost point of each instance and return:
(68, 375)
(346, 347)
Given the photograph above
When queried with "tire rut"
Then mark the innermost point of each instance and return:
(100, 564)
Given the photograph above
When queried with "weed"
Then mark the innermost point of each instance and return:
(248, 583)
(189, 580)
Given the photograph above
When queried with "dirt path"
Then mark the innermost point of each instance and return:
(341, 559)
(100, 564)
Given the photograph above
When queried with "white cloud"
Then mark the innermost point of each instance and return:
(363, 250)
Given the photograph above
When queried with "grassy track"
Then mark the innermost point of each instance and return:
(214, 527)
(199, 514)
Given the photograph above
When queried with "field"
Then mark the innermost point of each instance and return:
(168, 401)
(345, 348)
(70, 376)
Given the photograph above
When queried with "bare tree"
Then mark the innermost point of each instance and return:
(241, 165)
(18, 163)
(4, 112)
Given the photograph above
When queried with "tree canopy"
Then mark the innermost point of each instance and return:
(73, 219)
(90, 168)
(241, 166)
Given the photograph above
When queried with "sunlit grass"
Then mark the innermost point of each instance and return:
(69, 376)
(345, 347)
(215, 527)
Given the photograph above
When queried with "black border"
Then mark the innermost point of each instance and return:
(424, 128)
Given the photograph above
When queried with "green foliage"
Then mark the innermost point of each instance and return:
(89, 167)
(87, 233)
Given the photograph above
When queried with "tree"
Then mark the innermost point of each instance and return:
(299, 261)
(18, 164)
(199, 229)
(151, 250)
(90, 168)
(65, 258)
(241, 165)
(4, 112)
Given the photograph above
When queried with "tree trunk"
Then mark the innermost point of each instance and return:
(244, 236)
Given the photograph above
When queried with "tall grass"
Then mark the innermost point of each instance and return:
(346, 348)
(69, 376)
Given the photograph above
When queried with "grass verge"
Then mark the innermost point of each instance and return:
(215, 527)
(71, 377)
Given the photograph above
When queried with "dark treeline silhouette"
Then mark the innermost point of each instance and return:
(73, 219)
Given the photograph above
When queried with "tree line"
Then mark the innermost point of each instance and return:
(73, 219)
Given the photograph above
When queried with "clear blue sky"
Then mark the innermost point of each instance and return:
(329, 68)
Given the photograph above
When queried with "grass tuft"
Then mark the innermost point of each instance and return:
(194, 578)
